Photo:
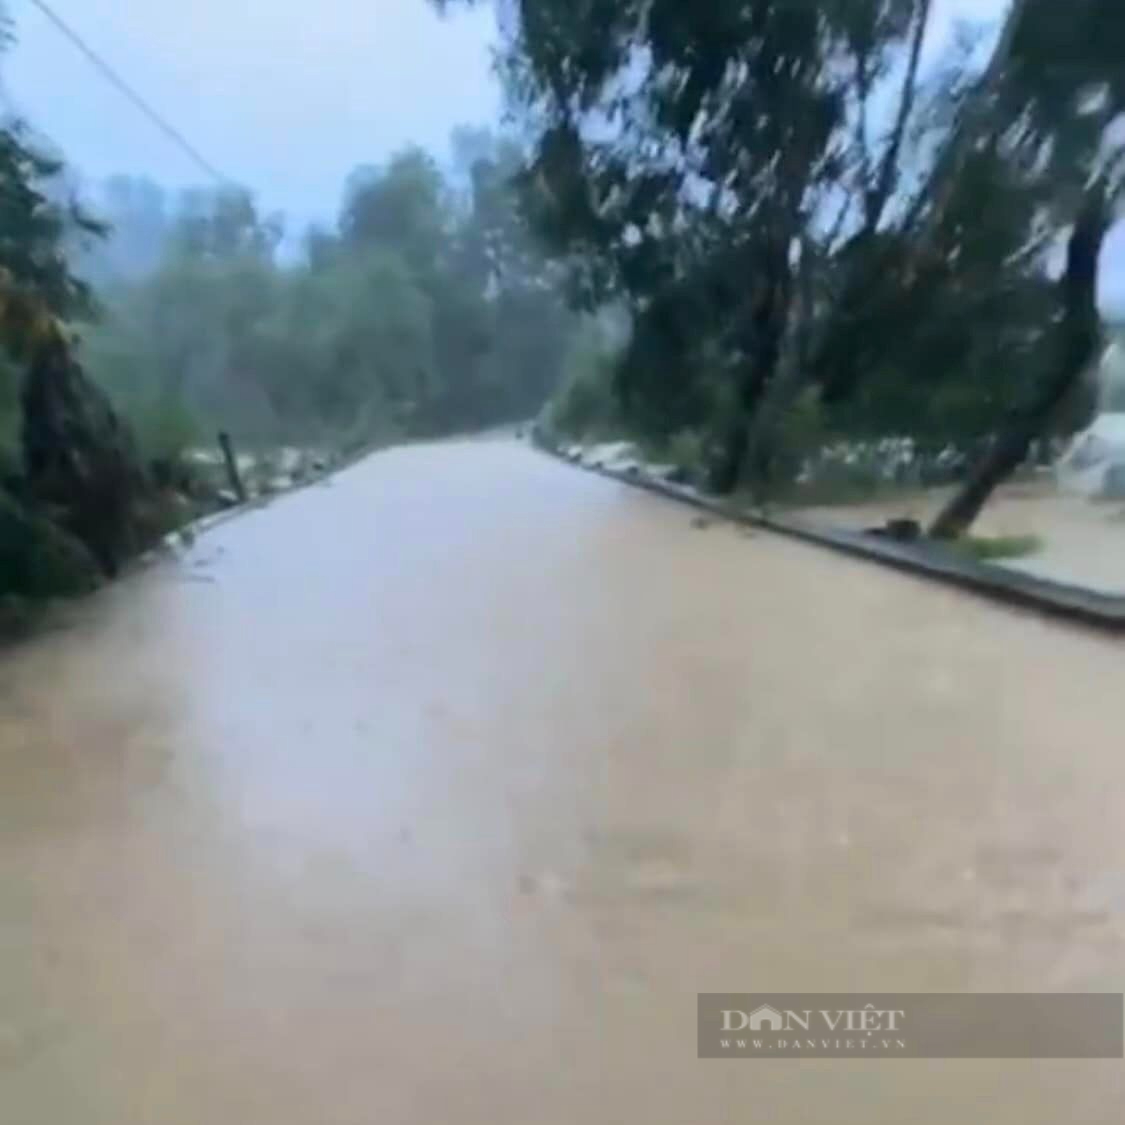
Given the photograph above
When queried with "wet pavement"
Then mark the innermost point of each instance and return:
(437, 793)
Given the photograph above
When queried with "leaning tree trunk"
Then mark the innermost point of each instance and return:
(79, 458)
(1074, 345)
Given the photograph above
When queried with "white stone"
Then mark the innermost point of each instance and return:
(1095, 459)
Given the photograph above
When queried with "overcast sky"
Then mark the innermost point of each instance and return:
(284, 96)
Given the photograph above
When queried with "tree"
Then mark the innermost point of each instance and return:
(781, 195)
(36, 230)
(77, 458)
(685, 152)
(224, 224)
(403, 208)
(519, 293)
(1070, 348)
(428, 309)
(1061, 93)
(180, 346)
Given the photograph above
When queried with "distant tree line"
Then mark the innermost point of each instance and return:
(428, 308)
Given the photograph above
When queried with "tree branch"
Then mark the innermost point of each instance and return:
(887, 180)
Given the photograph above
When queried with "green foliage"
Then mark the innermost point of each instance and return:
(430, 309)
(166, 429)
(585, 407)
(800, 434)
(403, 208)
(787, 194)
(997, 548)
(37, 558)
(9, 416)
(123, 359)
(35, 229)
(731, 122)
(687, 450)
(348, 343)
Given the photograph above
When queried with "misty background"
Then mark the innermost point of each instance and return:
(344, 264)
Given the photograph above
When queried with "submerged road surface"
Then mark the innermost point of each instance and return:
(436, 794)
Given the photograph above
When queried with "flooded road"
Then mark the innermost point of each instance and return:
(436, 794)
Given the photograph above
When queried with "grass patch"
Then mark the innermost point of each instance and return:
(995, 548)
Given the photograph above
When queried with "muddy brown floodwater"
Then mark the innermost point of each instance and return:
(437, 794)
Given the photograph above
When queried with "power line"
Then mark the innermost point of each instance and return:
(127, 91)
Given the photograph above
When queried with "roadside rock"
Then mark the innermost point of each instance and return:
(900, 530)
(617, 456)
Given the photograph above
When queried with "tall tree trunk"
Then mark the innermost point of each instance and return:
(768, 322)
(790, 379)
(1074, 345)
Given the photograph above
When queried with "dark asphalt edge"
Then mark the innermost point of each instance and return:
(999, 584)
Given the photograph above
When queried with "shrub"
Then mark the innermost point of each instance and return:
(584, 406)
(688, 450)
(37, 558)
